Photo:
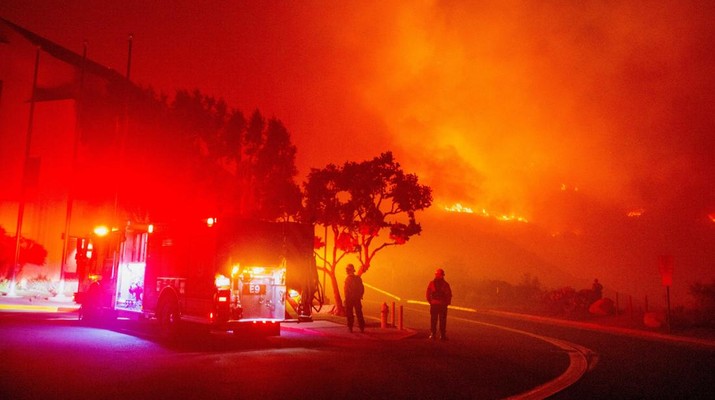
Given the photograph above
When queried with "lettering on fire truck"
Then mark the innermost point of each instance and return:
(178, 284)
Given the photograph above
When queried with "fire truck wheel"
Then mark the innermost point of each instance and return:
(169, 318)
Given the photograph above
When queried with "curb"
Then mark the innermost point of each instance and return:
(37, 308)
(337, 330)
(607, 329)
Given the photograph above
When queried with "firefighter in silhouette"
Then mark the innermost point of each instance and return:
(354, 290)
(597, 290)
(439, 297)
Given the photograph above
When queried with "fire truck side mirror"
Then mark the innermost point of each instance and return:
(80, 248)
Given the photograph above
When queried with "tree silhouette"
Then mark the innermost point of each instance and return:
(194, 155)
(261, 159)
(356, 202)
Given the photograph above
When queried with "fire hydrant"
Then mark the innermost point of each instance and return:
(384, 312)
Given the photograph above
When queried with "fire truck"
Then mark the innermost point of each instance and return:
(227, 274)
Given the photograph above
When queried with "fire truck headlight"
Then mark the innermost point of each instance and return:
(222, 281)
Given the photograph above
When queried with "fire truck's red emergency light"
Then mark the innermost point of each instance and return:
(90, 247)
(210, 222)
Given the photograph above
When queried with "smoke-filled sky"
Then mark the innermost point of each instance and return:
(501, 105)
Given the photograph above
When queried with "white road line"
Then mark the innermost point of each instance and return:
(579, 360)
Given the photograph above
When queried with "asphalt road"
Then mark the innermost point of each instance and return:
(625, 366)
(51, 355)
(61, 359)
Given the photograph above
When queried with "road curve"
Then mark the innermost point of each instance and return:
(580, 360)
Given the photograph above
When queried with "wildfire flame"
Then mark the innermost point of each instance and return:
(459, 208)
(636, 213)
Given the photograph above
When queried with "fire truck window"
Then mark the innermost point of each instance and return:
(135, 247)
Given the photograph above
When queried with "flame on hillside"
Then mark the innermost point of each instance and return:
(636, 213)
(459, 208)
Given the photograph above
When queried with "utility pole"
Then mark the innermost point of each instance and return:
(124, 131)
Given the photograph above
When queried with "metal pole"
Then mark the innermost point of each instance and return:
(21, 207)
(325, 259)
(124, 131)
(129, 58)
(667, 295)
(393, 314)
(630, 306)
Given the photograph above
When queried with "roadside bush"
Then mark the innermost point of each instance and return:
(524, 297)
(703, 312)
(529, 290)
(486, 293)
(567, 302)
(31, 252)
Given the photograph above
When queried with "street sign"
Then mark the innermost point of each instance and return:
(665, 266)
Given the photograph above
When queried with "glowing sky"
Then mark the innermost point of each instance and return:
(503, 105)
(498, 99)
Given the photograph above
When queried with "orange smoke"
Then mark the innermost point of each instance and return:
(497, 105)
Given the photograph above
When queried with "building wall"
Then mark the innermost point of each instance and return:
(51, 129)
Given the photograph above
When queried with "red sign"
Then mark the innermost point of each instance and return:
(252, 288)
(665, 266)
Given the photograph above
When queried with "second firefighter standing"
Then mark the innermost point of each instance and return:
(354, 290)
(439, 297)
